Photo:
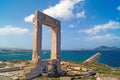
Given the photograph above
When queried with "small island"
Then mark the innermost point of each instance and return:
(106, 48)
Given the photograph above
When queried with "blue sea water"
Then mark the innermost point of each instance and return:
(109, 57)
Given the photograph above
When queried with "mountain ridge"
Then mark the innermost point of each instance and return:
(102, 47)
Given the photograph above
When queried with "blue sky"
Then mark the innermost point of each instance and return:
(84, 23)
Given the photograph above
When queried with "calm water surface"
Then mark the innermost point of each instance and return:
(109, 57)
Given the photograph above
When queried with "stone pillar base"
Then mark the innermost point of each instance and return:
(32, 71)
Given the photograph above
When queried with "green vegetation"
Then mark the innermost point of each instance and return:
(101, 69)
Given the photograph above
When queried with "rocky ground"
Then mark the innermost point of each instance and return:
(12, 70)
(103, 72)
(75, 71)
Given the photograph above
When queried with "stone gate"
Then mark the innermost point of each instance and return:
(37, 65)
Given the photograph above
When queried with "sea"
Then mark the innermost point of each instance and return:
(109, 57)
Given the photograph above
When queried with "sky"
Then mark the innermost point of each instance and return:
(84, 23)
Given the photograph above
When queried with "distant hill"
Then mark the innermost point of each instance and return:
(80, 49)
(106, 48)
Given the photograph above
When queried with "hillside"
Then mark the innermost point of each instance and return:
(107, 48)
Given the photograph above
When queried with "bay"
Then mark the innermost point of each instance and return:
(109, 57)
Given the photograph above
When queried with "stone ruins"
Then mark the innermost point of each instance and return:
(38, 66)
(93, 59)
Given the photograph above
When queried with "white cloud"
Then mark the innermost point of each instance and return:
(71, 26)
(29, 18)
(103, 38)
(9, 29)
(81, 14)
(98, 28)
(118, 8)
(64, 9)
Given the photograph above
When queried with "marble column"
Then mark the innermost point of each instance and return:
(37, 37)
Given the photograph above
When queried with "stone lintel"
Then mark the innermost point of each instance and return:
(46, 19)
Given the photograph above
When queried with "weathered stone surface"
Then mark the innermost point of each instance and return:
(9, 69)
(51, 66)
(106, 78)
(5, 78)
(93, 59)
(65, 78)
